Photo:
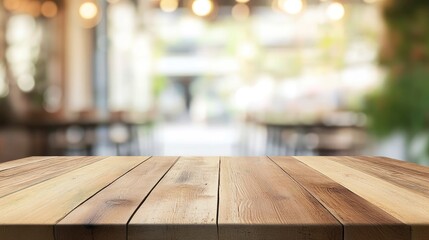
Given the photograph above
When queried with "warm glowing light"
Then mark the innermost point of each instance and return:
(88, 10)
(335, 11)
(20, 28)
(26, 83)
(49, 9)
(168, 5)
(11, 5)
(240, 11)
(202, 7)
(242, 1)
(291, 6)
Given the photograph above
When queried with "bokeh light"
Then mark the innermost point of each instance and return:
(240, 11)
(202, 8)
(20, 28)
(291, 6)
(49, 9)
(335, 11)
(26, 83)
(169, 5)
(88, 10)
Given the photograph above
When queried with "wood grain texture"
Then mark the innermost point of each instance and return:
(15, 179)
(404, 164)
(20, 162)
(105, 215)
(183, 205)
(395, 176)
(360, 218)
(240, 198)
(399, 167)
(46, 203)
(404, 204)
(258, 200)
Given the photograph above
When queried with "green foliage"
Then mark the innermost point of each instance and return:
(159, 84)
(402, 104)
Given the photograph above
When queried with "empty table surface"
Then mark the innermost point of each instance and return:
(219, 198)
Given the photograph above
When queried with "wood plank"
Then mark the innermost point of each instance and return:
(411, 169)
(105, 215)
(34, 166)
(404, 164)
(394, 175)
(258, 200)
(404, 204)
(18, 178)
(34, 210)
(183, 205)
(361, 219)
(20, 162)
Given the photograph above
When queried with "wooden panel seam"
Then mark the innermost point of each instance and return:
(70, 170)
(418, 185)
(218, 196)
(165, 223)
(37, 162)
(29, 159)
(267, 171)
(321, 203)
(404, 216)
(96, 193)
(147, 195)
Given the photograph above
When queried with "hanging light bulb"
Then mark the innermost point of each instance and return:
(335, 11)
(49, 9)
(202, 8)
(291, 6)
(240, 11)
(88, 10)
(169, 5)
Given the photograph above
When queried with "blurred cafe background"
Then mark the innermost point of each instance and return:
(214, 77)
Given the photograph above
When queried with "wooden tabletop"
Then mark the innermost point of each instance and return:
(213, 198)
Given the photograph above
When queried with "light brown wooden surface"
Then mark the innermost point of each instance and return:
(257, 198)
(20, 162)
(105, 216)
(361, 219)
(402, 203)
(395, 176)
(219, 198)
(183, 205)
(46, 203)
(17, 178)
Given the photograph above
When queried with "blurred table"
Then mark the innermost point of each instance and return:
(213, 198)
(81, 135)
(319, 137)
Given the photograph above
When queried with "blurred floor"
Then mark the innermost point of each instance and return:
(198, 139)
